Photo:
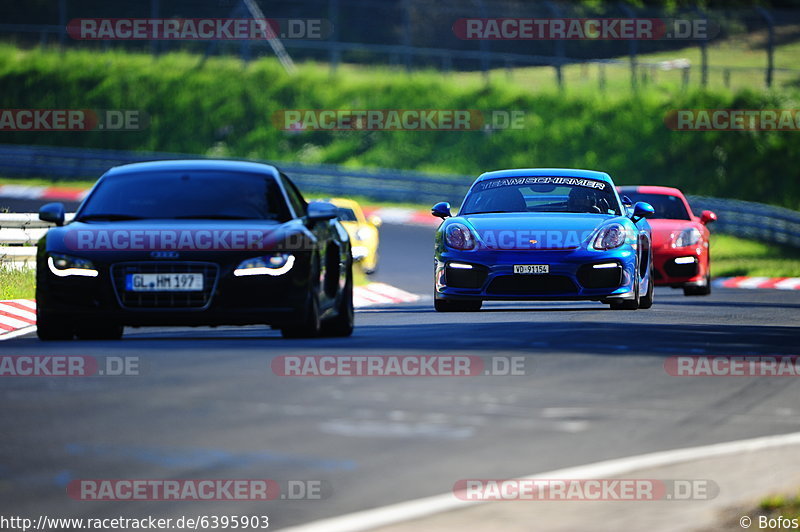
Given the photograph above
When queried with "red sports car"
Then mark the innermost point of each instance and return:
(681, 257)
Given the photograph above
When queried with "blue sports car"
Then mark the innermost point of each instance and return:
(539, 234)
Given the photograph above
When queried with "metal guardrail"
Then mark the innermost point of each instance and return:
(385, 185)
(748, 219)
(741, 218)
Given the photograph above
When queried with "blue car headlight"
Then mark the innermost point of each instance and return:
(458, 236)
(274, 265)
(610, 237)
(66, 266)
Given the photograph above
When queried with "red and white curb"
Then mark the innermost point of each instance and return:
(401, 216)
(17, 317)
(381, 294)
(775, 283)
(42, 192)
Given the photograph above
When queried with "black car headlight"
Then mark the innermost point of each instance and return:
(66, 266)
(274, 265)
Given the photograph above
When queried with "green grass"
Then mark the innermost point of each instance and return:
(17, 284)
(46, 182)
(731, 256)
(778, 506)
(222, 106)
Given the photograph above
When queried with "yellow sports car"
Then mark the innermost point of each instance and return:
(363, 233)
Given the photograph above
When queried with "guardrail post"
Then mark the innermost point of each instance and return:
(333, 18)
(62, 22)
(632, 47)
(601, 76)
(407, 38)
(559, 60)
(770, 43)
(703, 52)
(484, 44)
(154, 13)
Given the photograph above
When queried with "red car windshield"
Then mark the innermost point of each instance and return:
(666, 207)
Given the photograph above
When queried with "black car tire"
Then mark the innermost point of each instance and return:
(342, 325)
(647, 301)
(628, 304)
(309, 326)
(446, 305)
(703, 290)
(99, 331)
(53, 328)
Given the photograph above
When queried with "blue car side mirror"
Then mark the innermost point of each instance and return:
(642, 210)
(441, 210)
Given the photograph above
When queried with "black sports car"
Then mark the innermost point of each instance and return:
(198, 242)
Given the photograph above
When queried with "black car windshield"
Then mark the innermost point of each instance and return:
(666, 207)
(187, 195)
(541, 194)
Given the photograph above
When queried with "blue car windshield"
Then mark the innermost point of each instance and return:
(541, 194)
(187, 195)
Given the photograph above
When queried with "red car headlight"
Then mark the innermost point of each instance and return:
(688, 237)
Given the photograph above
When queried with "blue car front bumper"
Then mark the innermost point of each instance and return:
(573, 274)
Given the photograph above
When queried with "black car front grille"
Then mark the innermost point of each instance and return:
(591, 277)
(531, 284)
(164, 299)
(466, 278)
(681, 270)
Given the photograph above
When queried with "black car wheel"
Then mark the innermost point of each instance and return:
(342, 324)
(445, 305)
(702, 290)
(52, 327)
(647, 301)
(628, 304)
(309, 326)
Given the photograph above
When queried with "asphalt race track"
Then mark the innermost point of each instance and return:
(207, 404)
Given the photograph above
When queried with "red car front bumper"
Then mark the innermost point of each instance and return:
(680, 266)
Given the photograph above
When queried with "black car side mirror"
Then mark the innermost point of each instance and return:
(441, 210)
(320, 210)
(53, 213)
